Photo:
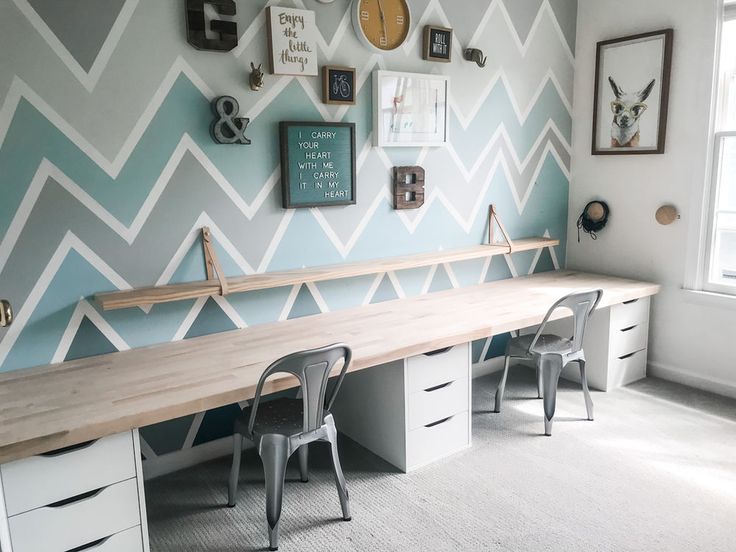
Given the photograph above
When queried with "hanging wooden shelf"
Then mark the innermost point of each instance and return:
(193, 290)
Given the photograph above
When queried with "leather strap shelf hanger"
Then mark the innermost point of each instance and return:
(218, 284)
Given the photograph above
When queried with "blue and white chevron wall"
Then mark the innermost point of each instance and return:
(107, 170)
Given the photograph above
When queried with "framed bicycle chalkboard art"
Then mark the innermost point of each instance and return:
(338, 85)
(317, 164)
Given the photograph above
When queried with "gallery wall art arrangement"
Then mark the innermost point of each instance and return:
(109, 173)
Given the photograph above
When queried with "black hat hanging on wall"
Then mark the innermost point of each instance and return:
(593, 219)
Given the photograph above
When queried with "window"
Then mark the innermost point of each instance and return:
(721, 266)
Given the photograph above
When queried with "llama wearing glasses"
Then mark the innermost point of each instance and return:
(627, 110)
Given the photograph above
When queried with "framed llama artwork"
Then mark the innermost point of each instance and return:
(632, 81)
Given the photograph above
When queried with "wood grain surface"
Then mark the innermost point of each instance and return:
(48, 407)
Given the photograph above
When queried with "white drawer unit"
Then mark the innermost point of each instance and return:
(410, 412)
(86, 519)
(615, 345)
(44, 479)
(85, 497)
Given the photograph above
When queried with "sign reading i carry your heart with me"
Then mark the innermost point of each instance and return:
(292, 41)
(317, 164)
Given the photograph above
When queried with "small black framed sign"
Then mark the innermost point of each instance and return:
(317, 164)
(338, 85)
(437, 44)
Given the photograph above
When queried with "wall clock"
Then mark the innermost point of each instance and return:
(381, 25)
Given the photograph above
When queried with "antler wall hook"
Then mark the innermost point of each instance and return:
(476, 55)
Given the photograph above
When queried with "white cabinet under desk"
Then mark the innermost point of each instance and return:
(410, 412)
(615, 345)
(85, 497)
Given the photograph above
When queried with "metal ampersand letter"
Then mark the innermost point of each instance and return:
(228, 128)
(197, 25)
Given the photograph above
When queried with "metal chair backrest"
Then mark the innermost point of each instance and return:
(312, 368)
(581, 304)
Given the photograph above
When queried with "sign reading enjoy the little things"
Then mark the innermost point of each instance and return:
(292, 41)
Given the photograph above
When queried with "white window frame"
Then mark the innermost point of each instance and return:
(709, 281)
(709, 238)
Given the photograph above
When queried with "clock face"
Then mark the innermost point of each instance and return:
(383, 24)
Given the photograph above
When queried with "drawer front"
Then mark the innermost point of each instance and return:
(40, 480)
(425, 371)
(630, 368)
(438, 403)
(65, 527)
(629, 340)
(426, 444)
(629, 314)
(130, 540)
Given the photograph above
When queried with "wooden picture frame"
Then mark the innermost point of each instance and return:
(292, 41)
(307, 150)
(631, 97)
(420, 117)
(338, 85)
(437, 44)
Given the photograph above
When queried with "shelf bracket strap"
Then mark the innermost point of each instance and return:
(493, 216)
(211, 262)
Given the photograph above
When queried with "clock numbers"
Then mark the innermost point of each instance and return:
(382, 24)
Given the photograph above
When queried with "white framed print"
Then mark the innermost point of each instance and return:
(410, 109)
(292, 41)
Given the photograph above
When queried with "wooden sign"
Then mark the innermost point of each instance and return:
(437, 44)
(317, 164)
(338, 85)
(292, 41)
(408, 187)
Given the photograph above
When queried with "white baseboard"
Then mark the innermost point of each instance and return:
(186, 458)
(182, 459)
(717, 386)
(487, 367)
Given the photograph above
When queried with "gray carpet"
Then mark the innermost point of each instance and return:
(656, 471)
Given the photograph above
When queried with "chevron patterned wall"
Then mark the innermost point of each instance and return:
(108, 171)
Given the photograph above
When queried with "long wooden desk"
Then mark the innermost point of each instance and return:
(49, 407)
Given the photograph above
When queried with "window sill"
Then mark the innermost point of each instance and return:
(710, 298)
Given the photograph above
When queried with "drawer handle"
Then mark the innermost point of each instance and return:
(90, 545)
(75, 499)
(70, 448)
(627, 356)
(629, 328)
(438, 387)
(630, 302)
(439, 422)
(437, 352)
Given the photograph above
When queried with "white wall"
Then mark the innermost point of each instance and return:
(692, 340)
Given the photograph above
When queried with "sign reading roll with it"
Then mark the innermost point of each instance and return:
(317, 164)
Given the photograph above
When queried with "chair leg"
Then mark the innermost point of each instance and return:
(540, 394)
(232, 486)
(304, 462)
(586, 391)
(274, 452)
(342, 489)
(551, 366)
(502, 385)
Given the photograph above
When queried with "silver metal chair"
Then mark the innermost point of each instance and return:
(280, 427)
(552, 353)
